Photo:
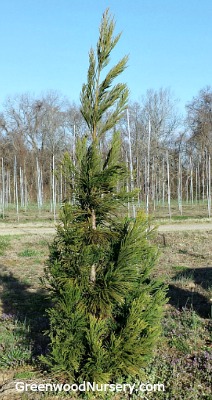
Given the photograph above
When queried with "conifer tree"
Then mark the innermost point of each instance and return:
(106, 312)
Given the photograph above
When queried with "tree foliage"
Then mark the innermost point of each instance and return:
(107, 307)
(98, 97)
(199, 120)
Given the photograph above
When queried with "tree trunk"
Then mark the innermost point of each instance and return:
(93, 267)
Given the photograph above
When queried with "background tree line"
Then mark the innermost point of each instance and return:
(170, 154)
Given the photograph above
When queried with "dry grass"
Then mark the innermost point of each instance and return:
(196, 211)
(185, 263)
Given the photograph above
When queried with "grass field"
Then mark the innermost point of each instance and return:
(196, 210)
(183, 359)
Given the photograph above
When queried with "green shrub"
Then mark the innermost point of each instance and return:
(105, 319)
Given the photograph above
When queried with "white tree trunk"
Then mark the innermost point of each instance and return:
(168, 184)
(180, 186)
(209, 186)
(148, 168)
(131, 164)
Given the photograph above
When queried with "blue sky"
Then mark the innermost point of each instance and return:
(45, 43)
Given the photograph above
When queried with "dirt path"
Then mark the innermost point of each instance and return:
(27, 228)
(46, 228)
(199, 226)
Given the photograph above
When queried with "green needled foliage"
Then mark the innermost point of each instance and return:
(105, 319)
(98, 97)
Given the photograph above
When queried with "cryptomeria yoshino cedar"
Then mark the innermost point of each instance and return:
(107, 308)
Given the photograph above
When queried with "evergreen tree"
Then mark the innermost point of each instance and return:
(106, 312)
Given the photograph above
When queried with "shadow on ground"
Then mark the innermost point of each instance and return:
(26, 305)
(192, 296)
